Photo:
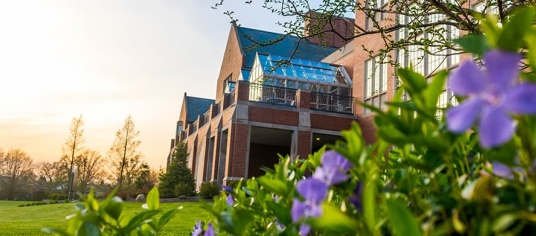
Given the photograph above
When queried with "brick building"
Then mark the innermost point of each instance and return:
(262, 108)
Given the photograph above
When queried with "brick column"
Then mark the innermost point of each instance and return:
(238, 146)
(304, 144)
(303, 99)
(242, 91)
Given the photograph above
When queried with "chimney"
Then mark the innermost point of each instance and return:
(320, 29)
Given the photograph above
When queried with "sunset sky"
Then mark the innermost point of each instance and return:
(105, 60)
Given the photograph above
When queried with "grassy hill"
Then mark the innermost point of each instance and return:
(29, 220)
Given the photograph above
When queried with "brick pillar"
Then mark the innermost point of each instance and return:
(242, 91)
(304, 144)
(237, 162)
(303, 99)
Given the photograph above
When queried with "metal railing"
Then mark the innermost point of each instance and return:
(331, 102)
(273, 95)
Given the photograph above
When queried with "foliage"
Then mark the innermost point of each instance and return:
(147, 179)
(57, 196)
(423, 176)
(30, 220)
(16, 173)
(124, 155)
(209, 189)
(108, 218)
(182, 189)
(176, 173)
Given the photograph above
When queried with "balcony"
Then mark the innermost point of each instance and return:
(277, 96)
(272, 95)
(331, 102)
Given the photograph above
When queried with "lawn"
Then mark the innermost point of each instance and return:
(29, 220)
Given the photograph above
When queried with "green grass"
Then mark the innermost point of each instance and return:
(29, 220)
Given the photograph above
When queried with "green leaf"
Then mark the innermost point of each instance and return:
(114, 207)
(511, 38)
(503, 222)
(435, 88)
(277, 186)
(153, 199)
(88, 229)
(411, 80)
(473, 43)
(166, 217)
(282, 213)
(369, 198)
(403, 222)
(333, 219)
(139, 219)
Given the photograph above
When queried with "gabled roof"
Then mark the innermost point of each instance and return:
(286, 47)
(196, 106)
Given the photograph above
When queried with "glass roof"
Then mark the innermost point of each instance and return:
(300, 69)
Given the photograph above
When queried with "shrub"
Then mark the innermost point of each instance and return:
(182, 190)
(209, 190)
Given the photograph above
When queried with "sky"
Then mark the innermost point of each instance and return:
(106, 60)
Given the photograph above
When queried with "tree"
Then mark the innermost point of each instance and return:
(177, 173)
(90, 168)
(73, 147)
(16, 172)
(53, 175)
(124, 154)
(147, 179)
(400, 24)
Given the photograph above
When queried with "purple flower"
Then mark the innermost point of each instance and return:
(491, 94)
(227, 188)
(209, 231)
(314, 191)
(230, 200)
(198, 229)
(333, 169)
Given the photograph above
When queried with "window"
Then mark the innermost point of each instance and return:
(378, 16)
(375, 82)
(435, 58)
(229, 85)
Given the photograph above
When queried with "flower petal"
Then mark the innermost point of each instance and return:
(503, 67)
(502, 170)
(209, 231)
(334, 159)
(312, 189)
(460, 118)
(467, 79)
(298, 210)
(520, 99)
(495, 127)
(304, 229)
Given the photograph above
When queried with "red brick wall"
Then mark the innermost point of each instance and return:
(273, 116)
(330, 122)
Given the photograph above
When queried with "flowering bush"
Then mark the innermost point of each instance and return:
(423, 176)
